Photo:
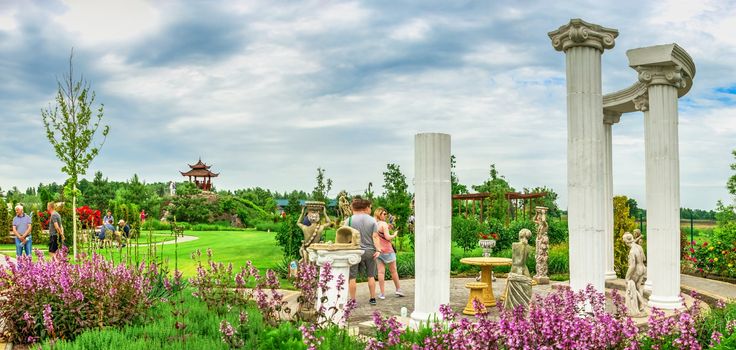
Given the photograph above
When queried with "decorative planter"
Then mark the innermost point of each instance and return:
(487, 245)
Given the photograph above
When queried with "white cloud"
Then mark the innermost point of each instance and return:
(97, 22)
(413, 30)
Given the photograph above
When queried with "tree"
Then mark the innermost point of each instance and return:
(497, 186)
(731, 184)
(622, 222)
(322, 188)
(99, 192)
(549, 200)
(70, 128)
(397, 199)
(457, 187)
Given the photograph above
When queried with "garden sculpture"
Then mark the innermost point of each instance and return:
(344, 206)
(542, 245)
(519, 283)
(635, 276)
(637, 236)
(312, 227)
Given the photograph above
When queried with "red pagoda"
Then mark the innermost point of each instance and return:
(201, 174)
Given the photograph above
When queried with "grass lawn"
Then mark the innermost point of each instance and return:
(235, 247)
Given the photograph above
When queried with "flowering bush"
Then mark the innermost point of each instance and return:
(89, 217)
(57, 299)
(716, 258)
(492, 235)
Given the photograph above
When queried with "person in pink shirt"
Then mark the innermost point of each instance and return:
(388, 255)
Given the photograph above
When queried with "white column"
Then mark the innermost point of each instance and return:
(641, 103)
(340, 262)
(583, 44)
(433, 199)
(663, 185)
(609, 118)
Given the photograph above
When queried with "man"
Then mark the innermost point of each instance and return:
(56, 231)
(22, 232)
(362, 221)
(124, 228)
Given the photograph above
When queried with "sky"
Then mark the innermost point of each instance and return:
(268, 91)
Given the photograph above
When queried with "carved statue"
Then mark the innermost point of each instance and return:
(542, 245)
(344, 206)
(635, 276)
(519, 282)
(312, 226)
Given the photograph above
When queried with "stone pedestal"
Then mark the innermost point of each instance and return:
(583, 44)
(340, 261)
(433, 206)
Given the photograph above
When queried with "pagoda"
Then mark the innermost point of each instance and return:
(201, 174)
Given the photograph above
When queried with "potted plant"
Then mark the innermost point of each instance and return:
(487, 241)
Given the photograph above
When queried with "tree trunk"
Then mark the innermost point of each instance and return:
(74, 220)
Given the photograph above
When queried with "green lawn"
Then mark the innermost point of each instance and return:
(235, 247)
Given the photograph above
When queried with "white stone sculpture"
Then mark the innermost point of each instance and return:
(635, 276)
(519, 283)
(542, 245)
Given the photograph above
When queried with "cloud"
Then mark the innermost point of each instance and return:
(268, 91)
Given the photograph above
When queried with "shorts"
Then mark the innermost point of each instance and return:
(387, 258)
(367, 264)
(53, 243)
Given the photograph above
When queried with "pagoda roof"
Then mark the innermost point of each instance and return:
(199, 165)
(199, 173)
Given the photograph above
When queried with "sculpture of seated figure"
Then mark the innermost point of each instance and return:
(635, 276)
(311, 227)
(519, 282)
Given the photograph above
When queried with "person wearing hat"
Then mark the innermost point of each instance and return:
(125, 229)
(22, 231)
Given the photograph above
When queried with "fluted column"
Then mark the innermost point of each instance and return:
(641, 103)
(433, 199)
(609, 118)
(583, 44)
(663, 184)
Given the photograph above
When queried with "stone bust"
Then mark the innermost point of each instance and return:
(635, 276)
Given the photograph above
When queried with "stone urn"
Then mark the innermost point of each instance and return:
(487, 245)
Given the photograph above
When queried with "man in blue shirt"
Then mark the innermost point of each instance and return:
(22, 231)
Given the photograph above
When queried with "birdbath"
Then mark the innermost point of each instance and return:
(340, 255)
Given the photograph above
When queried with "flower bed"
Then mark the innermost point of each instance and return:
(716, 258)
(58, 299)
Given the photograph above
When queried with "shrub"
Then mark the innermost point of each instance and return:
(58, 299)
(465, 232)
(405, 264)
(268, 226)
(558, 231)
(290, 237)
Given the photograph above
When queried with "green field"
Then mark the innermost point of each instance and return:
(235, 247)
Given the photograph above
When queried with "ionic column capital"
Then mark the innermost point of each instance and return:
(581, 33)
(641, 102)
(661, 75)
(611, 117)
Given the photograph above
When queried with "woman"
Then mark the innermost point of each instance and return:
(388, 255)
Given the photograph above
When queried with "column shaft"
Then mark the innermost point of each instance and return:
(608, 239)
(663, 196)
(585, 168)
(432, 244)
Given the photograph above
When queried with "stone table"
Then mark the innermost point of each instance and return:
(486, 265)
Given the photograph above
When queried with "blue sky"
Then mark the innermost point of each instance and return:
(267, 91)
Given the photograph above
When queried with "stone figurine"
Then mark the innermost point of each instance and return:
(344, 206)
(519, 282)
(542, 245)
(635, 276)
(312, 226)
